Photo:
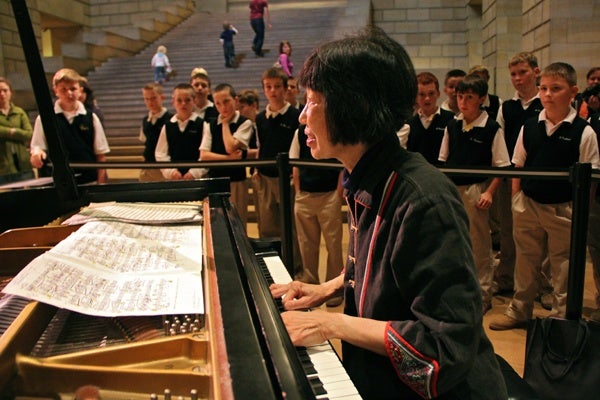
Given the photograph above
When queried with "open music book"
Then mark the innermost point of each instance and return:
(109, 268)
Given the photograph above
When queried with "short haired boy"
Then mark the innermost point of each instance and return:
(492, 102)
(248, 104)
(227, 139)
(474, 139)
(292, 92)
(424, 130)
(275, 130)
(542, 209)
(525, 104)
(204, 107)
(453, 77)
(80, 130)
(180, 137)
(152, 124)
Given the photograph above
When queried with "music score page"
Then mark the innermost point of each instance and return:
(109, 268)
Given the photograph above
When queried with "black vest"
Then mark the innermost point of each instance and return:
(514, 117)
(235, 174)
(315, 180)
(428, 141)
(494, 106)
(78, 139)
(184, 146)
(275, 136)
(561, 150)
(152, 132)
(211, 114)
(473, 148)
(595, 123)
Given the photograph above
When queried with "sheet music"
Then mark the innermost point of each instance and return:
(115, 269)
(140, 213)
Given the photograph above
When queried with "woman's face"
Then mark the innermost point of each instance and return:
(5, 95)
(313, 115)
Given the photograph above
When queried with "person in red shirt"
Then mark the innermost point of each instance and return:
(258, 10)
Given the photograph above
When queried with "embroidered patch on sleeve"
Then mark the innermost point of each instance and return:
(414, 369)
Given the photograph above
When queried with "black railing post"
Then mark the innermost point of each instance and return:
(285, 210)
(581, 177)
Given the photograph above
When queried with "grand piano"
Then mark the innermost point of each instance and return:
(238, 349)
(241, 350)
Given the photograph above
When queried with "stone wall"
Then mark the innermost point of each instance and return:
(435, 33)
(83, 34)
(440, 35)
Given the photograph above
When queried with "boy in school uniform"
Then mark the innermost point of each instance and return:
(424, 130)
(453, 77)
(151, 126)
(542, 208)
(492, 102)
(524, 73)
(204, 107)
(180, 137)
(474, 139)
(80, 129)
(275, 130)
(226, 139)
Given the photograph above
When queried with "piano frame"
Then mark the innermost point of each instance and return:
(251, 354)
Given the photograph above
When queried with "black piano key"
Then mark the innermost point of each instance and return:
(317, 386)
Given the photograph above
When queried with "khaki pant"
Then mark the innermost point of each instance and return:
(151, 175)
(239, 199)
(481, 241)
(316, 214)
(505, 271)
(268, 206)
(540, 230)
(594, 245)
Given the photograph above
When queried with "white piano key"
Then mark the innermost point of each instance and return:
(277, 269)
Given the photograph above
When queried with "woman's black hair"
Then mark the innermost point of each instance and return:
(369, 85)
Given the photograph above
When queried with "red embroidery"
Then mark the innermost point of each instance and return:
(416, 370)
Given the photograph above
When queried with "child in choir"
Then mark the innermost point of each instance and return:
(180, 138)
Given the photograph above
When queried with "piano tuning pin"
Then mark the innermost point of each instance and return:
(193, 394)
(153, 396)
(167, 394)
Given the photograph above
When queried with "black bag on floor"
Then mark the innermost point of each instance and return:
(562, 358)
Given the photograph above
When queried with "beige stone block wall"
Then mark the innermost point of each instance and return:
(435, 33)
(85, 33)
(440, 35)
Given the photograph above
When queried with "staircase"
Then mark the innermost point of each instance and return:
(195, 42)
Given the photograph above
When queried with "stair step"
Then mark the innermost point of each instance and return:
(117, 83)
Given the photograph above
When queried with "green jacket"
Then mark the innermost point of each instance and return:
(19, 141)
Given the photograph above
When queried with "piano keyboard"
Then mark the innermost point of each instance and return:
(321, 363)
